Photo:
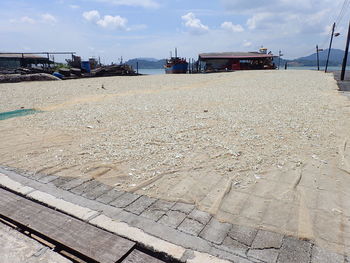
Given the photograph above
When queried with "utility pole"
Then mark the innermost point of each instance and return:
(330, 46)
(345, 60)
(279, 58)
(318, 59)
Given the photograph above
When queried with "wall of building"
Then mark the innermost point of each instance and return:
(10, 63)
(217, 64)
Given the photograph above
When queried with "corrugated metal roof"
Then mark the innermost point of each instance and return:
(243, 55)
(19, 55)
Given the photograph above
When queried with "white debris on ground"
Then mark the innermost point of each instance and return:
(211, 139)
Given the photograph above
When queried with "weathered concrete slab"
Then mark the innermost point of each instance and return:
(110, 196)
(172, 218)
(85, 187)
(243, 234)
(234, 246)
(182, 207)
(61, 181)
(74, 183)
(97, 191)
(267, 239)
(215, 231)
(191, 226)
(157, 210)
(124, 200)
(47, 179)
(200, 216)
(140, 205)
(320, 255)
(295, 250)
(73, 209)
(266, 255)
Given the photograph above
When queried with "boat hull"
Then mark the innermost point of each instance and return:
(180, 68)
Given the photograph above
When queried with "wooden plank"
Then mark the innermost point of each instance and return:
(136, 256)
(82, 237)
(7, 198)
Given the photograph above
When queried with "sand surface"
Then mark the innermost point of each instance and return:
(268, 149)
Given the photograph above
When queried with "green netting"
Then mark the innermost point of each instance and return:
(16, 113)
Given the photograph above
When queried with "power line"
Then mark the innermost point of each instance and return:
(344, 9)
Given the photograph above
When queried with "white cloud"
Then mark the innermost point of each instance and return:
(107, 21)
(232, 27)
(74, 6)
(247, 43)
(140, 3)
(259, 20)
(194, 24)
(26, 19)
(92, 15)
(289, 23)
(113, 22)
(287, 17)
(239, 6)
(48, 18)
(42, 19)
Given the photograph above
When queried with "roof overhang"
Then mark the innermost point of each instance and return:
(238, 55)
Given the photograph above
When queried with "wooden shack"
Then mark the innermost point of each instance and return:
(16, 60)
(231, 61)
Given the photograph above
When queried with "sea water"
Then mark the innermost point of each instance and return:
(156, 71)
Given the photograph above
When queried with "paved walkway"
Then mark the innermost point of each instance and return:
(345, 84)
(174, 222)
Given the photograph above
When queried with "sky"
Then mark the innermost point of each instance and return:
(111, 29)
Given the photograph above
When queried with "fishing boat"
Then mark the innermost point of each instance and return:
(176, 65)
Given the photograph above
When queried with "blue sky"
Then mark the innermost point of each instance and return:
(152, 28)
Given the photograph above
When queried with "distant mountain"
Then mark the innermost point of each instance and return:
(148, 59)
(335, 56)
(335, 59)
(146, 63)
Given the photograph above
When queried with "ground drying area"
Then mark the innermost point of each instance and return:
(267, 149)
